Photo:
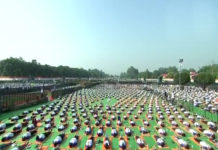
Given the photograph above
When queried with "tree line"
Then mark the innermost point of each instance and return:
(21, 68)
(206, 74)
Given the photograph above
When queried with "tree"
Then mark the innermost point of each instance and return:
(96, 73)
(123, 75)
(192, 70)
(204, 79)
(142, 75)
(212, 69)
(132, 72)
(19, 67)
(13, 67)
(160, 79)
(146, 74)
(185, 78)
(170, 74)
(171, 71)
(160, 71)
(155, 74)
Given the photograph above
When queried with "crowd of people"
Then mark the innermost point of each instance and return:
(22, 87)
(206, 99)
(119, 114)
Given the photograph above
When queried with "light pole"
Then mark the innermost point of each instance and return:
(180, 67)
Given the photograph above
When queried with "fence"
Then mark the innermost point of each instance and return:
(14, 101)
(213, 116)
(8, 102)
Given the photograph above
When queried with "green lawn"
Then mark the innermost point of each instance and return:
(149, 139)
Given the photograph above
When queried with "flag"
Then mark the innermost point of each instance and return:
(181, 60)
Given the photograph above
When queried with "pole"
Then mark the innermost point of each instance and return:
(180, 66)
(180, 76)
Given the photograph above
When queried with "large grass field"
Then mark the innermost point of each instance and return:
(94, 102)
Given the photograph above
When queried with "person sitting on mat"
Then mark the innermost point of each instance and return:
(74, 141)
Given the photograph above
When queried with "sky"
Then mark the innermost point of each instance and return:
(110, 35)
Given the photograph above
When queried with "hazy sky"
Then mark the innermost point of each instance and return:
(110, 34)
